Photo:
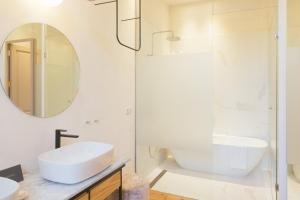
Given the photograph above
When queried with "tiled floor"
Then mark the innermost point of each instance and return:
(207, 187)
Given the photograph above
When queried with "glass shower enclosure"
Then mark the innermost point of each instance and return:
(206, 98)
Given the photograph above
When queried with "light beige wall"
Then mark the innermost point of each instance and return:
(293, 82)
(192, 22)
(156, 17)
(106, 85)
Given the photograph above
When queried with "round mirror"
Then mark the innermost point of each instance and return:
(39, 70)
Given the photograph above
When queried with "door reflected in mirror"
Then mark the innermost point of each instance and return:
(39, 70)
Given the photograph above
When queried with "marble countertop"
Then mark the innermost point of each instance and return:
(41, 189)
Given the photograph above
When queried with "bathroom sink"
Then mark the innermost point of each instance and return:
(8, 189)
(75, 163)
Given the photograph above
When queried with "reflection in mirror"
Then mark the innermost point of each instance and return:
(39, 70)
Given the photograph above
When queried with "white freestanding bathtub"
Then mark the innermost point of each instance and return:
(230, 156)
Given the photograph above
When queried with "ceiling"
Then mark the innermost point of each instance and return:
(176, 2)
(258, 3)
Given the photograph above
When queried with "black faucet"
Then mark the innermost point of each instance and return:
(59, 135)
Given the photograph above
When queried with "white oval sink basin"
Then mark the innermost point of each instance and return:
(75, 163)
(8, 189)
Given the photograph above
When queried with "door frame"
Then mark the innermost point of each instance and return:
(31, 41)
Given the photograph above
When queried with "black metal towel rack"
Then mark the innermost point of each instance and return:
(139, 18)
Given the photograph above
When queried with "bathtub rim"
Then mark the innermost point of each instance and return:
(239, 141)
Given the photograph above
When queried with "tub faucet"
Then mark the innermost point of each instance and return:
(59, 135)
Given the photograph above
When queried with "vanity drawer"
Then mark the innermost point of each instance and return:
(106, 188)
(84, 196)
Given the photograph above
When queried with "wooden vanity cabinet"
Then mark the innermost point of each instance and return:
(84, 196)
(108, 188)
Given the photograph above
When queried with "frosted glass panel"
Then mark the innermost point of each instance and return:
(175, 101)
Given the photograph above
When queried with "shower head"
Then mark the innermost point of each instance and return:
(171, 38)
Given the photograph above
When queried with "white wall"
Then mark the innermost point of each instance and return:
(106, 83)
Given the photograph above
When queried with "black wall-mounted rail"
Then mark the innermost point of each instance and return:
(139, 18)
